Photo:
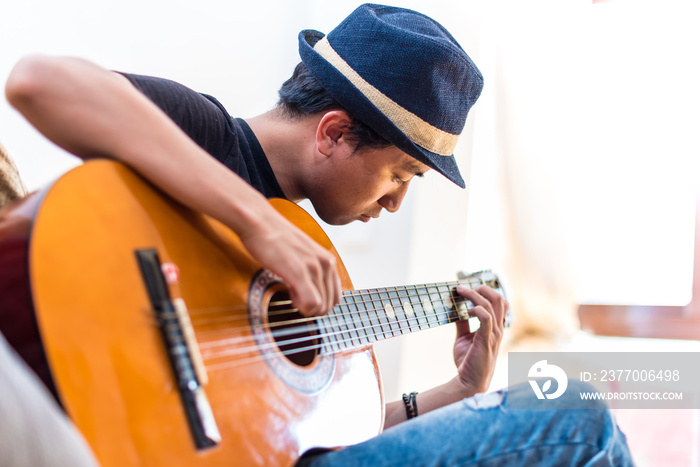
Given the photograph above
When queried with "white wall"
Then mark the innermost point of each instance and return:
(239, 54)
(592, 90)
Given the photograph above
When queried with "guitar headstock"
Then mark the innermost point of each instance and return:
(486, 277)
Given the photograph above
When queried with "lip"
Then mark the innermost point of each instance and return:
(367, 218)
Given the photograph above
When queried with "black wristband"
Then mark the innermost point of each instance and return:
(409, 400)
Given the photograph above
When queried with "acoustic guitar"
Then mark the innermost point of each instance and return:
(167, 344)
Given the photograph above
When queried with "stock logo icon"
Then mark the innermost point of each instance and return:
(542, 370)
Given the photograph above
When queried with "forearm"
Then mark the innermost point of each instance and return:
(427, 401)
(92, 112)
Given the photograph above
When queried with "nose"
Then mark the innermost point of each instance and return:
(392, 201)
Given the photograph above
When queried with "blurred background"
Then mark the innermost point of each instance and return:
(581, 160)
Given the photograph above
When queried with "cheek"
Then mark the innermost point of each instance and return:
(349, 191)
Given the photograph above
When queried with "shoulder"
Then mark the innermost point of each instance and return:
(171, 95)
(202, 117)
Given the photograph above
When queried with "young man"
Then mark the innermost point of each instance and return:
(379, 100)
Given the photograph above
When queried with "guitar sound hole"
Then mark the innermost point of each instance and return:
(293, 333)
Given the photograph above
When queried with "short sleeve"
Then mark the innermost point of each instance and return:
(202, 117)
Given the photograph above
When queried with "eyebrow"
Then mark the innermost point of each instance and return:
(415, 168)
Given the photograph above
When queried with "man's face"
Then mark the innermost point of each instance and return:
(358, 185)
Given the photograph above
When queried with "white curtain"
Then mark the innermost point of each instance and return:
(582, 162)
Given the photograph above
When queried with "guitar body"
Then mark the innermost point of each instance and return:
(67, 261)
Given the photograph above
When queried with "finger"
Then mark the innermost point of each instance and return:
(489, 333)
(463, 328)
(473, 296)
(487, 297)
(337, 289)
(331, 283)
(302, 290)
(476, 299)
(327, 281)
(486, 320)
(305, 297)
(498, 301)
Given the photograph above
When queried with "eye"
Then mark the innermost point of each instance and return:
(399, 180)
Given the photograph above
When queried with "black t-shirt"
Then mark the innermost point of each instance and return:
(205, 120)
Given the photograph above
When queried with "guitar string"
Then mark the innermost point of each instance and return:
(430, 320)
(319, 337)
(354, 305)
(361, 331)
(337, 314)
(338, 319)
(257, 357)
(424, 290)
(199, 312)
(342, 326)
(348, 320)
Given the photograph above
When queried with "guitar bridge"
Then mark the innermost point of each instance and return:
(180, 352)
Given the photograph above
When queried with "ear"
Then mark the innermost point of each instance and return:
(331, 133)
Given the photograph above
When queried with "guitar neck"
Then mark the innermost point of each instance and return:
(371, 315)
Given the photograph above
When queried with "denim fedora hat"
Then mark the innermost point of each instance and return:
(403, 75)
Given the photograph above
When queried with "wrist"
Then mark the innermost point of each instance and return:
(463, 389)
(251, 216)
(447, 393)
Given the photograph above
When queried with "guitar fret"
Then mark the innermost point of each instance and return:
(414, 299)
(373, 317)
(447, 304)
(389, 308)
(358, 325)
(350, 334)
(378, 307)
(415, 323)
(325, 335)
(356, 333)
(407, 308)
(324, 327)
(336, 331)
(431, 300)
(401, 318)
(369, 318)
(346, 333)
(365, 319)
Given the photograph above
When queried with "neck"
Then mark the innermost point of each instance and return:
(288, 144)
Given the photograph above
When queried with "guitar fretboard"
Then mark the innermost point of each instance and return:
(367, 316)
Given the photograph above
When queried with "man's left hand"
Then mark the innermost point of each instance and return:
(475, 353)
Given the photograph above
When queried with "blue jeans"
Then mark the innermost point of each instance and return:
(482, 431)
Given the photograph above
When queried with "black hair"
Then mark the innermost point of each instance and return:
(302, 95)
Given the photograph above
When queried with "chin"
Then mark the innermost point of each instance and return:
(335, 220)
(338, 221)
(331, 216)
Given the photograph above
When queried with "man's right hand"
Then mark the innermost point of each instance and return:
(307, 267)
